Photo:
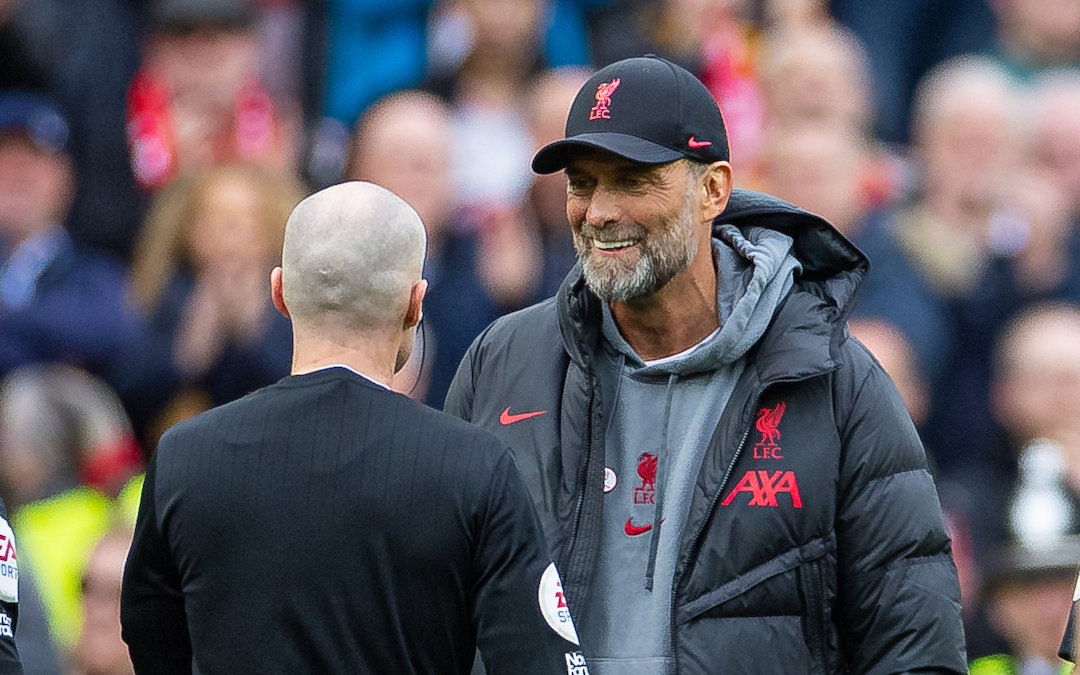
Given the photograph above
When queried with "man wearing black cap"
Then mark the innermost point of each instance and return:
(730, 481)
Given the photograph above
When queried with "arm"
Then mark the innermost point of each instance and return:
(9, 598)
(898, 607)
(152, 616)
(522, 624)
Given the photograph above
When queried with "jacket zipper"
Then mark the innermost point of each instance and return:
(716, 498)
(582, 478)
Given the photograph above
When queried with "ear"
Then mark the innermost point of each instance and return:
(415, 311)
(715, 190)
(277, 293)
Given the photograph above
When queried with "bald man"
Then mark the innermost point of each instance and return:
(326, 524)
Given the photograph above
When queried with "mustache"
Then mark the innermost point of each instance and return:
(606, 234)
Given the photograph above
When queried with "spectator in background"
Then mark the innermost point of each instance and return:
(84, 55)
(200, 271)
(1029, 593)
(1034, 36)
(816, 75)
(1022, 486)
(931, 267)
(552, 94)
(403, 144)
(198, 100)
(58, 300)
(790, 167)
(487, 90)
(100, 650)
(67, 467)
(907, 39)
(1057, 134)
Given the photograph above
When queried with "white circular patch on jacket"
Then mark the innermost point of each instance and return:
(1076, 592)
(9, 565)
(610, 479)
(553, 605)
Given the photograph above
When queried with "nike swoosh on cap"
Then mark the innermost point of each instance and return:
(506, 418)
(695, 143)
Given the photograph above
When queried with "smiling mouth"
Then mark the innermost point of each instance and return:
(613, 245)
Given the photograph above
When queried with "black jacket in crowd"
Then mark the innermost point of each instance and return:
(857, 578)
(327, 525)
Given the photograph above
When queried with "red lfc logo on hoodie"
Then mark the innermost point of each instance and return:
(768, 420)
(603, 100)
(646, 468)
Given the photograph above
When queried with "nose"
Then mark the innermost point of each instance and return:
(603, 208)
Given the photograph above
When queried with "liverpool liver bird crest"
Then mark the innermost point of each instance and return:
(767, 421)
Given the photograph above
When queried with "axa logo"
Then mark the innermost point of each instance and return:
(646, 468)
(764, 487)
(603, 100)
(768, 421)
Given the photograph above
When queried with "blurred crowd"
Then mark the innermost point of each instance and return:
(151, 150)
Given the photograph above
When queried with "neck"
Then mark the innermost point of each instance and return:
(375, 358)
(675, 318)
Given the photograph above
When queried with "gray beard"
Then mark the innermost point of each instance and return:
(662, 257)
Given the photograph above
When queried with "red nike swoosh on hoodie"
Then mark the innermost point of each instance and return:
(506, 418)
(634, 530)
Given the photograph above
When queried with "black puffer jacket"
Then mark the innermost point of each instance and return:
(814, 543)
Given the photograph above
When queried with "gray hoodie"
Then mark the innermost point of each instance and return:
(662, 415)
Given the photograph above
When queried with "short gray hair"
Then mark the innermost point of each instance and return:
(352, 253)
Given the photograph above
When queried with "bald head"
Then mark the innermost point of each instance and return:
(352, 254)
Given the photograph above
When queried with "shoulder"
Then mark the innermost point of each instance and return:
(534, 323)
(516, 341)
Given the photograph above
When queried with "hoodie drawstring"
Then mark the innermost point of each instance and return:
(658, 509)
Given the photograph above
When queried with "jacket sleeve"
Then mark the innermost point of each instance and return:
(9, 598)
(898, 596)
(152, 616)
(522, 621)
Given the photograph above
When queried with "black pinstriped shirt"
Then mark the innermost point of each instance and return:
(327, 525)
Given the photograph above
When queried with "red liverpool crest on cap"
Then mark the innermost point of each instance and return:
(603, 100)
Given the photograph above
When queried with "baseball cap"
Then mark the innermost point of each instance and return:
(35, 116)
(646, 109)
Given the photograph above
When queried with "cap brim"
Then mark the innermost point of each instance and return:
(555, 156)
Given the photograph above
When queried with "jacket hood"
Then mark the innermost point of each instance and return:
(832, 269)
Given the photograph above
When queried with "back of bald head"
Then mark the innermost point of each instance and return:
(352, 253)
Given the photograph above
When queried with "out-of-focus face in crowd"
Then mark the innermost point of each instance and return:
(228, 224)
(816, 76)
(966, 134)
(1037, 377)
(404, 146)
(100, 650)
(552, 95)
(818, 168)
(36, 186)
(1033, 615)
